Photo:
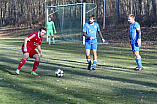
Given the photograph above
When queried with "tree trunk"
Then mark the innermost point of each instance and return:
(117, 9)
(154, 8)
(1, 16)
(140, 6)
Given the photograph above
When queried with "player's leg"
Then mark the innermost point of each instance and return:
(49, 37)
(53, 39)
(34, 54)
(22, 62)
(138, 60)
(94, 51)
(36, 63)
(88, 58)
(136, 50)
(94, 59)
(49, 40)
(88, 48)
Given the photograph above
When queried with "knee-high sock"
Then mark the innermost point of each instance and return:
(53, 39)
(49, 39)
(22, 62)
(94, 64)
(36, 63)
(138, 62)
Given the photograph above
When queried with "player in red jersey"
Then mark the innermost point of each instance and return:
(28, 48)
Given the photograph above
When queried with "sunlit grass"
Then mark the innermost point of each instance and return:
(114, 82)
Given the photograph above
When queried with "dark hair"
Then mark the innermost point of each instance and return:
(42, 28)
(92, 16)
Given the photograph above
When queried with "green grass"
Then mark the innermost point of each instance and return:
(114, 81)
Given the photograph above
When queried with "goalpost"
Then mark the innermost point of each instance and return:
(69, 20)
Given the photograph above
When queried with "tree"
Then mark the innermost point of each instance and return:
(117, 9)
(154, 8)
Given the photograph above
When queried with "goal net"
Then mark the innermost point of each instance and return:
(69, 20)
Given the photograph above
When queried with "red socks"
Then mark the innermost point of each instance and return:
(36, 63)
(22, 62)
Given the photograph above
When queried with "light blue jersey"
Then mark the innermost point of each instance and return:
(91, 29)
(134, 41)
(133, 32)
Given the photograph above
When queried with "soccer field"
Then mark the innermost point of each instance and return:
(114, 82)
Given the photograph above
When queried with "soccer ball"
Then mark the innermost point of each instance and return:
(59, 73)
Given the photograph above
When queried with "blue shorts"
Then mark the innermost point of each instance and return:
(135, 47)
(91, 44)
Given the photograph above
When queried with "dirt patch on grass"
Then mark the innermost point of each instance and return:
(121, 36)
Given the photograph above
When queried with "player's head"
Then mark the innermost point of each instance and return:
(42, 31)
(131, 18)
(91, 19)
(49, 19)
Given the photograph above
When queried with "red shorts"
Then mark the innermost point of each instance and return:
(30, 51)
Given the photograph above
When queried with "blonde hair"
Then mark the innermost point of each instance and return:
(132, 15)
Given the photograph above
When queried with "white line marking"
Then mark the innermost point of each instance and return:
(10, 48)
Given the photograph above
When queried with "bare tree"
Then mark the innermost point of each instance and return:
(154, 8)
(117, 9)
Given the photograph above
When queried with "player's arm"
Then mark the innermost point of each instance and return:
(46, 25)
(84, 31)
(100, 34)
(139, 35)
(25, 44)
(85, 34)
(53, 26)
(39, 49)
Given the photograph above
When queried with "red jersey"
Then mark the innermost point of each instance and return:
(34, 40)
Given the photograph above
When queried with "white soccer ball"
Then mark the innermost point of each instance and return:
(59, 73)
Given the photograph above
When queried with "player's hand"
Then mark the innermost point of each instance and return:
(103, 40)
(91, 38)
(25, 49)
(41, 54)
(139, 42)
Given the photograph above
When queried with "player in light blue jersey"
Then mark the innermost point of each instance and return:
(135, 40)
(89, 31)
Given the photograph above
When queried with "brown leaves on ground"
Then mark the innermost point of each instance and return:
(120, 36)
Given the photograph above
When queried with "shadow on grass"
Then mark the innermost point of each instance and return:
(40, 96)
(114, 78)
(7, 69)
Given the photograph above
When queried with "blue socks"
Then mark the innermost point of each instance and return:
(138, 61)
(94, 64)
